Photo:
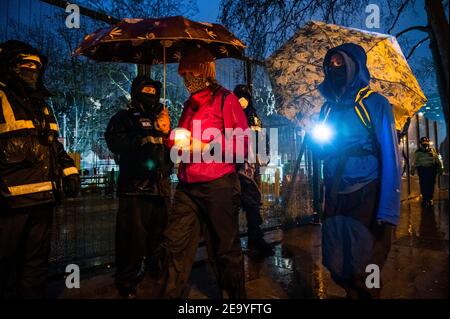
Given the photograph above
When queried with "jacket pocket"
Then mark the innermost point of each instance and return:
(15, 151)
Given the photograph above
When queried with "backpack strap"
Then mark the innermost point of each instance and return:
(224, 96)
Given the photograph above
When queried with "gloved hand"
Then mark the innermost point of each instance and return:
(71, 185)
(198, 146)
(162, 122)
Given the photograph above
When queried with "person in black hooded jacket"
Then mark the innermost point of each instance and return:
(34, 170)
(136, 135)
(250, 178)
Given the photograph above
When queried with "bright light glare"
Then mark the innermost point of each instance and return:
(322, 132)
(182, 137)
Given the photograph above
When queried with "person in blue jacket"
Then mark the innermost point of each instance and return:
(357, 140)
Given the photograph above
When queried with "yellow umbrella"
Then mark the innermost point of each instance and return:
(296, 71)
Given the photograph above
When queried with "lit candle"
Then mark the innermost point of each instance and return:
(182, 138)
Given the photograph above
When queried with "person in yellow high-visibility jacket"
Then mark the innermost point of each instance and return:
(34, 171)
(427, 163)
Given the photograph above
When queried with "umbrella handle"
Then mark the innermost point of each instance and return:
(165, 44)
(164, 72)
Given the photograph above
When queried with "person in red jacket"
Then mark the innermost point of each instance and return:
(207, 198)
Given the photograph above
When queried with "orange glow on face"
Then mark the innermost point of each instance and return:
(149, 90)
(336, 60)
(28, 65)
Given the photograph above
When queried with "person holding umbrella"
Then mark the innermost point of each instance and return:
(136, 136)
(357, 140)
(207, 198)
(428, 164)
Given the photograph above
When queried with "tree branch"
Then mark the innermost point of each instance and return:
(400, 10)
(414, 28)
(416, 46)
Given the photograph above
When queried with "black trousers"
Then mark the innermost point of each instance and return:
(211, 207)
(427, 181)
(251, 204)
(25, 237)
(140, 224)
(352, 239)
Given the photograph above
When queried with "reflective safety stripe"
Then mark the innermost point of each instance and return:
(70, 171)
(152, 139)
(30, 188)
(11, 124)
(54, 126)
(360, 106)
(360, 115)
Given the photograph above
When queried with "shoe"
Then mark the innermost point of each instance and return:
(260, 248)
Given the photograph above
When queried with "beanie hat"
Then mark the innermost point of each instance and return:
(140, 81)
(199, 61)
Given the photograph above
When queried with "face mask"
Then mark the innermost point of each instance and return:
(195, 83)
(149, 102)
(338, 76)
(29, 76)
(244, 102)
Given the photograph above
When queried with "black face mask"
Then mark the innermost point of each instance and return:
(338, 76)
(29, 76)
(149, 102)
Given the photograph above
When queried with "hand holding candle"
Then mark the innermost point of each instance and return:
(182, 138)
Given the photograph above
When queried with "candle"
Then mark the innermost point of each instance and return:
(182, 138)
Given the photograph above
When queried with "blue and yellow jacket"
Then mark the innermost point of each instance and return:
(365, 134)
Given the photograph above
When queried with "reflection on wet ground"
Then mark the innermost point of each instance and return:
(417, 266)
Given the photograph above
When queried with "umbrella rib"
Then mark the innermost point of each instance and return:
(373, 46)
(402, 84)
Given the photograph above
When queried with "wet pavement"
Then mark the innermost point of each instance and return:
(417, 266)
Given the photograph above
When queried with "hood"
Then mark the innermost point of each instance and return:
(361, 73)
(242, 90)
(9, 51)
(141, 81)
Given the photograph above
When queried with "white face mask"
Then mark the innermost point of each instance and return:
(244, 102)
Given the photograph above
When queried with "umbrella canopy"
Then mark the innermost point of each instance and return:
(296, 70)
(143, 40)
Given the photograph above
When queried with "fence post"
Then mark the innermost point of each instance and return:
(248, 73)
(316, 188)
(436, 141)
(144, 69)
(417, 129)
(408, 175)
